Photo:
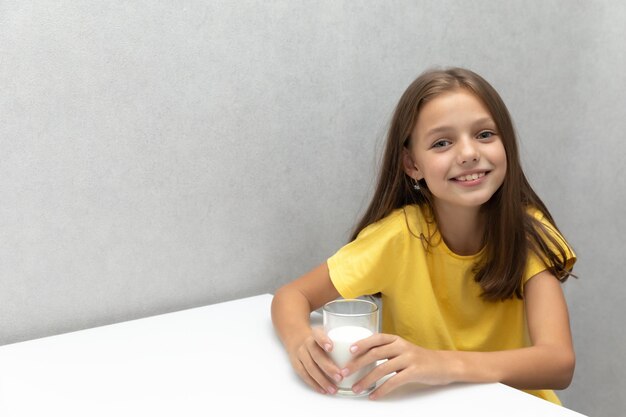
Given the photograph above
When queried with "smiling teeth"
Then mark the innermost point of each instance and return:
(470, 177)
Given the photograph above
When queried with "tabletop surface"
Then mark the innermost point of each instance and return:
(219, 358)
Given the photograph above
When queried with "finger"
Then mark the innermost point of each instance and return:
(375, 375)
(304, 375)
(323, 361)
(379, 339)
(315, 372)
(326, 364)
(322, 339)
(373, 355)
(388, 386)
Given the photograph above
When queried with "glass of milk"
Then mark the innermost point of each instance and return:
(345, 322)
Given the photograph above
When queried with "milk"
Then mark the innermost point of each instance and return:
(343, 337)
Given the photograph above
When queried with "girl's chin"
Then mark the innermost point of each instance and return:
(462, 202)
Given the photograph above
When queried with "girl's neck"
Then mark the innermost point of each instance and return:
(461, 228)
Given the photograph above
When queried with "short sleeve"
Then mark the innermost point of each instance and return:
(535, 263)
(366, 265)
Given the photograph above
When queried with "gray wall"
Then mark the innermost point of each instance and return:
(161, 155)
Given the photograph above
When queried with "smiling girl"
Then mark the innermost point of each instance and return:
(466, 257)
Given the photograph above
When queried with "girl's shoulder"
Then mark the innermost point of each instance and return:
(537, 214)
(548, 232)
(544, 221)
(402, 221)
(548, 247)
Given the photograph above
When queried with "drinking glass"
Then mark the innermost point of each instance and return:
(345, 322)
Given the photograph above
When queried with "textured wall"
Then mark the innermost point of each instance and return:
(164, 155)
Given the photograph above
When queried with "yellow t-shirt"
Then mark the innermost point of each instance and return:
(429, 294)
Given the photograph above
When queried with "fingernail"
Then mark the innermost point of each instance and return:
(345, 372)
(331, 389)
(356, 389)
(354, 348)
(337, 377)
(327, 347)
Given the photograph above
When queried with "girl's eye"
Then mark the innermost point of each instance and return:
(441, 143)
(485, 134)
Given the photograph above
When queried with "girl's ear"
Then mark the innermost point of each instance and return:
(410, 167)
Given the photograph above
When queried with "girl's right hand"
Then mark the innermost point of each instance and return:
(311, 361)
(307, 347)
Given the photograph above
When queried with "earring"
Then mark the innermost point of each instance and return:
(416, 185)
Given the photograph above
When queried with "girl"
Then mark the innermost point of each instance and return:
(465, 255)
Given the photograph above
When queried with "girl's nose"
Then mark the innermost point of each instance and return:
(468, 153)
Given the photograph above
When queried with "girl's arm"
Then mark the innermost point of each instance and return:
(291, 313)
(547, 364)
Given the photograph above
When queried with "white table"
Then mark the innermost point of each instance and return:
(220, 359)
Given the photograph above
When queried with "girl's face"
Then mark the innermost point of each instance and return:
(456, 149)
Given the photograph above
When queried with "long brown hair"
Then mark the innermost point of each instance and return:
(511, 231)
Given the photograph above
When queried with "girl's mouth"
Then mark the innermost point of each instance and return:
(470, 177)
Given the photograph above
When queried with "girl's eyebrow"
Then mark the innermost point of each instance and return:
(444, 128)
(439, 129)
(484, 120)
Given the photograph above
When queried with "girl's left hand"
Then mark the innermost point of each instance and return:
(410, 362)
